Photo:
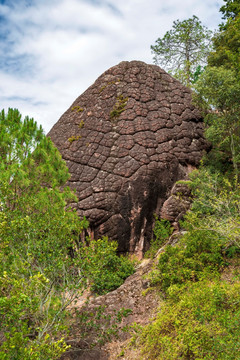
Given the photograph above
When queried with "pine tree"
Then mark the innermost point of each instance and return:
(183, 49)
(36, 230)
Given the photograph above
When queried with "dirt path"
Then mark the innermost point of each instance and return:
(138, 300)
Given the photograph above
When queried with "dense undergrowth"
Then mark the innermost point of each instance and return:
(199, 320)
(44, 267)
(199, 314)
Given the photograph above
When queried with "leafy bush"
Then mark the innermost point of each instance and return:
(199, 321)
(30, 318)
(197, 255)
(103, 267)
(101, 325)
(212, 233)
(38, 277)
(36, 229)
(199, 318)
(217, 206)
(162, 230)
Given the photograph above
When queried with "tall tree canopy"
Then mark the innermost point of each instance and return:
(183, 49)
(226, 44)
(219, 88)
(231, 9)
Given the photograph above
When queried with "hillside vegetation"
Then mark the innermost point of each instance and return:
(198, 279)
(44, 267)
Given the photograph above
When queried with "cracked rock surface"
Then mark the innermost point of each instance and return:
(126, 140)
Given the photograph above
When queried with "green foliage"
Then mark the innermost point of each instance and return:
(218, 89)
(35, 223)
(199, 321)
(36, 230)
(81, 124)
(100, 324)
(219, 86)
(119, 107)
(212, 233)
(38, 277)
(200, 312)
(198, 71)
(17, 346)
(77, 108)
(226, 46)
(74, 138)
(231, 9)
(183, 49)
(162, 231)
(104, 268)
(199, 253)
(217, 205)
(31, 317)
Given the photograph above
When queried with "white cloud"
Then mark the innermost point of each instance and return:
(53, 50)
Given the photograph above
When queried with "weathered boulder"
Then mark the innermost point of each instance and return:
(126, 140)
(178, 203)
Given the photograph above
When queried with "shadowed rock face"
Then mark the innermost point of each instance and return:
(126, 140)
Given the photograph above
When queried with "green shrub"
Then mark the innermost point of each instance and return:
(199, 321)
(31, 316)
(199, 318)
(105, 270)
(162, 231)
(38, 277)
(36, 230)
(212, 232)
(18, 346)
(198, 254)
(101, 325)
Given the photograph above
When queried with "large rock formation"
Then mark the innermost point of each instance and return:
(126, 140)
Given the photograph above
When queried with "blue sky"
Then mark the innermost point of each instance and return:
(53, 50)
